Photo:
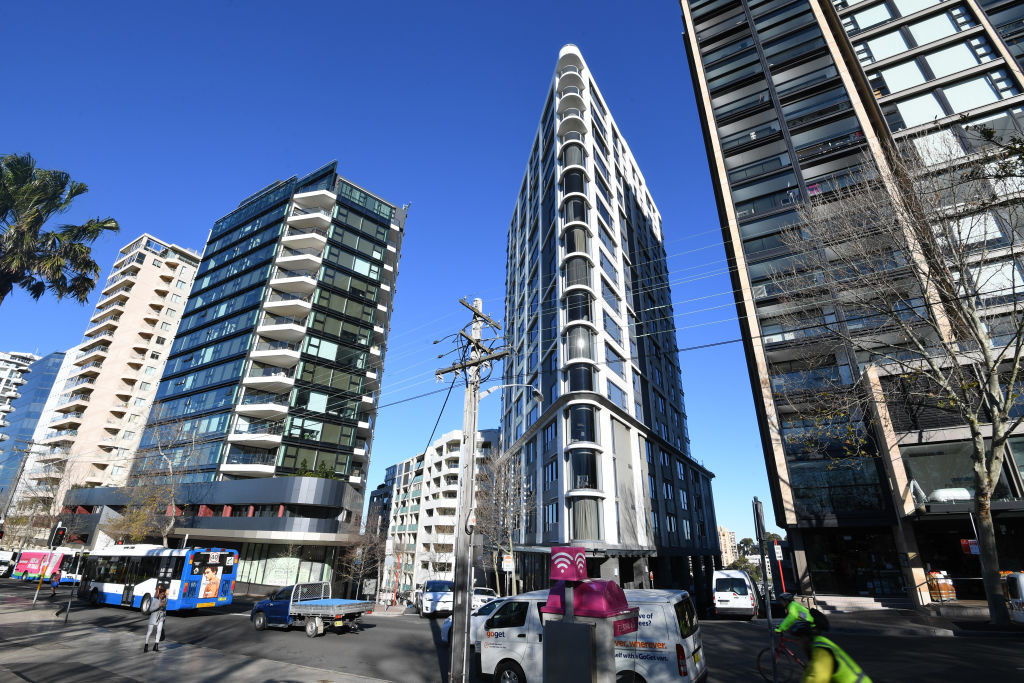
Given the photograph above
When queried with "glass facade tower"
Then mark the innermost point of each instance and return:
(794, 96)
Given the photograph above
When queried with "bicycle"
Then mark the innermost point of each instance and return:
(789, 663)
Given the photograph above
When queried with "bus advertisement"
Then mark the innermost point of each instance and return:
(128, 575)
(31, 562)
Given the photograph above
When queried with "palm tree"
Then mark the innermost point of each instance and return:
(38, 260)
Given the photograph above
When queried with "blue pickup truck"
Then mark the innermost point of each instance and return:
(309, 605)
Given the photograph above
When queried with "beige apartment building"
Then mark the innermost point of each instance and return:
(103, 405)
(727, 542)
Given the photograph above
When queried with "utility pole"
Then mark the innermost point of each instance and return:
(17, 478)
(479, 355)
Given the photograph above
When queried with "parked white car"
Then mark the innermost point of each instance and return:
(482, 596)
(437, 598)
(735, 593)
(476, 623)
(667, 649)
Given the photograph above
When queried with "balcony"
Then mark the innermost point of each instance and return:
(305, 238)
(309, 218)
(249, 463)
(72, 419)
(103, 339)
(307, 259)
(93, 354)
(92, 367)
(281, 328)
(269, 379)
(277, 353)
(292, 281)
(80, 382)
(118, 296)
(53, 455)
(127, 277)
(258, 434)
(264, 405)
(293, 305)
(60, 436)
(73, 402)
(571, 121)
(317, 199)
(48, 475)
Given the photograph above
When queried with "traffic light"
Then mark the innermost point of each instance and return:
(57, 535)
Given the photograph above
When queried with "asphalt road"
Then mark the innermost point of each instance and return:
(407, 648)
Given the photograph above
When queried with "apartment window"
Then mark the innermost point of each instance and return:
(161, 340)
(144, 386)
(133, 419)
(170, 312)
(139, 402)
(682, 501)
(651, 488)
(608, 267)
(180, 284)
(612, 328)
(155, 355)
(550, 433)
(650, 452)
(686, 530)
(664, 457)
(550, 474)
(127, 436)
(667, 493)
(150, 370)
(530, 452)
(655, 521)
(165, 326)
(581, 424)
(175, 298)
(680, 471)
(609, 296)
(617, 396)
(551, 514)
(616, 363)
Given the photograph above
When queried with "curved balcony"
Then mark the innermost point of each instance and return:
(66, 420)
(263, 405)
(118, 296)
(99, 340)
(91, 355)
(116, 307)
(281, 328)
(307, 259)
(571, 100)
(292, 281)
(569, 77)
(309, 218)
(310, 237)
(571, 121)
(68, 402)
(258, 434)
(291, 305)
(250, 463)
(316, 199)
(282, 354)
(269, 379)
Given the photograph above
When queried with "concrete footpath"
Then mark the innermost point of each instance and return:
(36, 645)
(897, 622)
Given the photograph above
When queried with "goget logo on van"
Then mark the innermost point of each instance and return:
(495, 634)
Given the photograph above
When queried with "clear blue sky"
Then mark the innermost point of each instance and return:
(174, 112)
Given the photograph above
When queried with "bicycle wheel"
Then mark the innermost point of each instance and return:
(787, 668)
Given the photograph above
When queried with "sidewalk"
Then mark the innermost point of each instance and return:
(35, 645)
(894, 622)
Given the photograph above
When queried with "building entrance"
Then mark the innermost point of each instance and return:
(853, 561)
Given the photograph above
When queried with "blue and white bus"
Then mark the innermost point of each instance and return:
(128, 575)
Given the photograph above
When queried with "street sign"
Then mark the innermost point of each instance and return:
(778, 552)
(506, 562)
(369, 586)
(969, 546)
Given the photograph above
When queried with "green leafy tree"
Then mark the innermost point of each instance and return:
(31, 257)
(746, 546)
(747, 566)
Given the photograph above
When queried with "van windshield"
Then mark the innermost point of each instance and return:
(439, 587)
(727, 585)
(686, 615)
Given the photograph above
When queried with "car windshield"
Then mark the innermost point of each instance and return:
(484, 591)
(439, 587)
(738, 586)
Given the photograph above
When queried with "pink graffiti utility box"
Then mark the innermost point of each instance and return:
(591, 598)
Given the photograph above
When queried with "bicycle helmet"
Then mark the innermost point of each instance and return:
(786, 597)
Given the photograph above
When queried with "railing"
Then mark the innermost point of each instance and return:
(301, 211)
(570, 112)
(271, 372)
(275, 346)
(263, 427)
(67, 398)
(306, 230)
(569, 90)
(66, 416)
(289, 296)
(108, 319)
(239, 457)
(105, 335)
(94, 364)
(62, 432)
(252, 397)
(570, 69)
(95, 349)
(125, 288)
(115, 304)
(271, 319)
(281, 272)
(306, 251)
(114, 279)
(72, 383)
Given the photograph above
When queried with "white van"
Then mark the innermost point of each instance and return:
(666, 648)
(1015, 595)
(735, 593)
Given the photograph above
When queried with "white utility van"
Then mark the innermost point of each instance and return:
(1015, 595)
(666, 648)
(735, 593)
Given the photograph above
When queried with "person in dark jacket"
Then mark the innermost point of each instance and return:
(157, 612)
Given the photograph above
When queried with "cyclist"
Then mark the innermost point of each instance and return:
(795, 613)
(828, 663)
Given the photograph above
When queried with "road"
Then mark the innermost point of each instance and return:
(397, 648)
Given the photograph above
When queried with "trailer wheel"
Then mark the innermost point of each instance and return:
(259, 621)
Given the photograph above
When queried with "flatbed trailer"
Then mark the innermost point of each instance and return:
(309, 605)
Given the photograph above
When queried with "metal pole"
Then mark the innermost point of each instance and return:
(464, 532)
(782, 578)
(74, 586)
(759, 533)
(42, 573)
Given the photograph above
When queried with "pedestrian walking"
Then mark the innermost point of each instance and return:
(54, 582)
(157, 612)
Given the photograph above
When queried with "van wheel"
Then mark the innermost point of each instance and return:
(509, 672)
(629, 677)
(259, 621)
(146, 602)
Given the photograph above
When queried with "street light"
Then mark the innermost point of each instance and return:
(539, 397)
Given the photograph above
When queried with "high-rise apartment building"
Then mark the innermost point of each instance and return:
(378, 511)
(794, 96)
(13, 367)
(727, 542)
(18, 425)
(264, 412)
(590, 326)
(103, 405)
(424, 512)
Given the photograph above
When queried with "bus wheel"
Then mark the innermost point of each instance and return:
(94, 597)
(259, 621)
(146, 602)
